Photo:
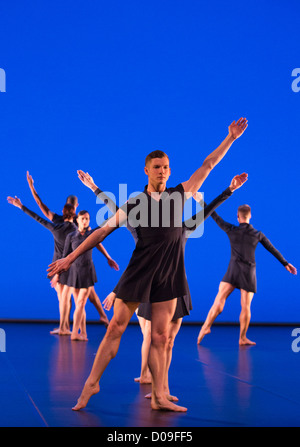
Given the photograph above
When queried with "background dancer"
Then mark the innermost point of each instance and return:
(59, 231)
(82, 274)
(241, 272)
(156, 270)
(57, 218)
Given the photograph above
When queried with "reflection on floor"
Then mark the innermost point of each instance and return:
(221, 384)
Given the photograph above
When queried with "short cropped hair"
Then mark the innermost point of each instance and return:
(155, 154)
(72, 200)
(244, 211)
(83, 212)
(68, 211)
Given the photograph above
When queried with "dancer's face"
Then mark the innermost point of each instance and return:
(158, 170)
(83, 221)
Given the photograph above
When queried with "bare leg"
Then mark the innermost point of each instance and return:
(79, 315)
(58, 288)
(225, 289)
(145, 376)
(82, 327)
(173, 331)
(245, 316)
(162, 314)
(107, 350)
(94, 299)
(64, 305)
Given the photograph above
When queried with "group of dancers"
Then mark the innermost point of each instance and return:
(154, 284)
(69, 230)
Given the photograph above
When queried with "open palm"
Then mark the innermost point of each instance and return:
(236, 129)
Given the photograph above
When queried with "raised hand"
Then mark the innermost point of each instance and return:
(15, 201)
(238, 181)
(290, 268)
(29, 180)
(86, 179)
(113, 264)
(236, 129)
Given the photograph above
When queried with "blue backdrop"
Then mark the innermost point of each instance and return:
(97, 85)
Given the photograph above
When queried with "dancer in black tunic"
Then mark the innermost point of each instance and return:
(241, 272)
(60, 231)
(161, 245)
(57, 218)
(184, 303)
(82, 274)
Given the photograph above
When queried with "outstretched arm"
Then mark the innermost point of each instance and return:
(88, 181)
(45, 210)
(90, 242)
(110, 261)
(235, 130)
(192, 223)
(17, 202)
(270, 247)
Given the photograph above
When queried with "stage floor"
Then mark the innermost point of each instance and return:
(221, 384)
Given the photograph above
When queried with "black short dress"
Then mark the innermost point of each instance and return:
(156, 270)
(82, 273)
(241, 271)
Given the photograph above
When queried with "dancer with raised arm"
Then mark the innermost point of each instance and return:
(241, 272)
(82, 274)
(60, 231)
(155, 272)
(184, 304)
(57, 218)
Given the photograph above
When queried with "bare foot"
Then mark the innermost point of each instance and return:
(202, 333)
(64, 332)
(144, 379)
(87, 392)
(165, 405)
(246, 342)
(78, 337)
(168, 396)
(55, 331)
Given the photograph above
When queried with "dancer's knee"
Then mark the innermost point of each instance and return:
(219, 305)
(159, 339)
(115, 329)
(170, 343)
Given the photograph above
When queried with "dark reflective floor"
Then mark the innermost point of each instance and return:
(222, 385)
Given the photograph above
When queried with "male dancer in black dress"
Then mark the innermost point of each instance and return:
(155, 272)
(241, 272)
(184, 304)
(56, 218)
